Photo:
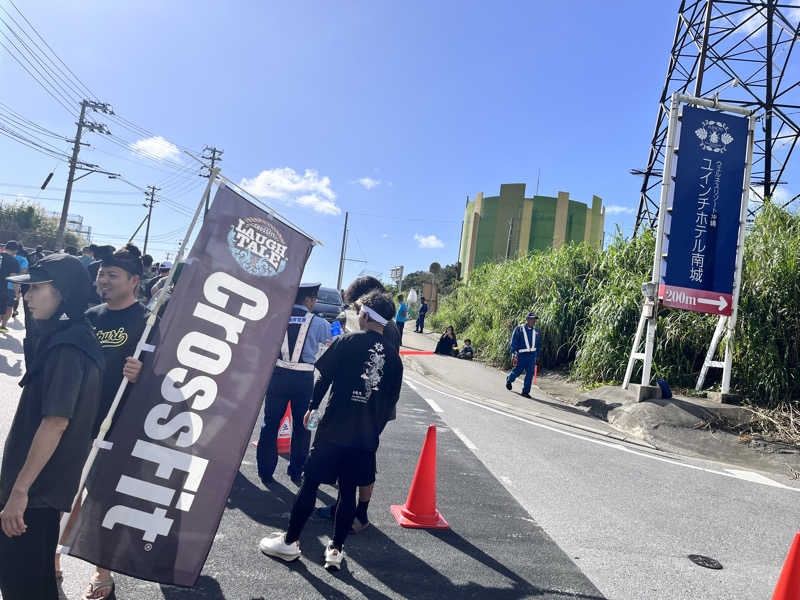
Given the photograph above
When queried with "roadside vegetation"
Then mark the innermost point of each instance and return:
(588, 302)
(30, 225)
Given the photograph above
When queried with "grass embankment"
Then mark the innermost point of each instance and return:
(588, 302)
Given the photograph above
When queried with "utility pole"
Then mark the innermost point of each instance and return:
(341, 257)
(73, 163)
(216, 156)
(508, 244)
(151, 200)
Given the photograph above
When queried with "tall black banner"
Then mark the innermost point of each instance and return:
(155, 498)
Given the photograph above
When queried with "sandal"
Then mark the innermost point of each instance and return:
(59, 576)
(96, 586)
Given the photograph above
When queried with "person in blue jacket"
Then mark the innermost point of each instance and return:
(526, 343)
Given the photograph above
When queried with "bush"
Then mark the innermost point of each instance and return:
(589, 301)
(29, 224)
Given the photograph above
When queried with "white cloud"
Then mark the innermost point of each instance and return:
(616, 209)
(158, 147)
(286, 184)
(428, 241)
(755, 19)
(368, 183)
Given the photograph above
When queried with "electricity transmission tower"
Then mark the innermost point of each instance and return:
(738, 51)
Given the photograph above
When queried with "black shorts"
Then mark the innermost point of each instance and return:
(328, 462)
(6, 298)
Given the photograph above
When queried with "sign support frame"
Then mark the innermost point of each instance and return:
(649, 314)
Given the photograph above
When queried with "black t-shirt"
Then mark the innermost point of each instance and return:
(118, 332)
(67, 386)
(366, 377)
(391, 335)
(8, 266)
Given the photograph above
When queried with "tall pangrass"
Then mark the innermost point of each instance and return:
(588, 302)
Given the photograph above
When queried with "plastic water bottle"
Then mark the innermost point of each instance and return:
(336, 329)
(313, 420)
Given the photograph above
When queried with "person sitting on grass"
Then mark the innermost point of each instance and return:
(447, 342)
(467, 352)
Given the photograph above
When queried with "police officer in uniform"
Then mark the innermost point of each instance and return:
(526, 343)
(293, 381)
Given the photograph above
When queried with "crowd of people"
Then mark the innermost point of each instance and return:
(84, 315)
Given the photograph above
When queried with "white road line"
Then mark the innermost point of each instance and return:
(757, 478)
(433, 405)
(467, 442)
(409, 384)
(576, 436)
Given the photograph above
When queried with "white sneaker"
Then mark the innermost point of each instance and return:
(333, 558)
(275, 545)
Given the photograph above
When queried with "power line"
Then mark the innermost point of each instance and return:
(55, 189)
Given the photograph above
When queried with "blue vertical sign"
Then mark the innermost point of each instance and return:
(703, 228)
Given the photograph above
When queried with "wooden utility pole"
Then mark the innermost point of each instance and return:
(151, 200)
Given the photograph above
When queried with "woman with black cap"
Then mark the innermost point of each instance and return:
(52, 430)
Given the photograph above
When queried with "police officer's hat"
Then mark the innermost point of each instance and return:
(307, 290)
(531, 315)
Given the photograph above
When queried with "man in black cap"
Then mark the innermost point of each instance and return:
(293, 381)
(118, 324)
(526, 343)
(51, 433)
(99, 253)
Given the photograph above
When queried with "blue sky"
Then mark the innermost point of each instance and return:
(392, 111)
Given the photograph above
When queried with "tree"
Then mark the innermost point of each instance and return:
(29, 224)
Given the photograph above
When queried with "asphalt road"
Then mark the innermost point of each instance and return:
(493, 549)
(537, 510)
(629, 516)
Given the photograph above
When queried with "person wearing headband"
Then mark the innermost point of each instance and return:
(292, 382)
(365, 377)
(360, 287)
(118, 323)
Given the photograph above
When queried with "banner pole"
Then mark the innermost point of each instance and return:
(666, 190)
(100, 442)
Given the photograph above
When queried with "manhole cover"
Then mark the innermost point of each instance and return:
(705, 561)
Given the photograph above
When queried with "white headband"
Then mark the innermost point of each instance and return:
(366, 310)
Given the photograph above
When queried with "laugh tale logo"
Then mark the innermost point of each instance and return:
(257, 246)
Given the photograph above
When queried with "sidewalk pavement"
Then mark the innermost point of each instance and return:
(478, 382)
(681, 425)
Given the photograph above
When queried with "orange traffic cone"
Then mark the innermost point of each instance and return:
(789, 582)
(420, 511)
(285, 432)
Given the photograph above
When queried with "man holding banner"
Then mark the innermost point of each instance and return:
(161, 478)
(292, 383)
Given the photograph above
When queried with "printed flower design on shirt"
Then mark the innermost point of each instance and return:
(373, 369)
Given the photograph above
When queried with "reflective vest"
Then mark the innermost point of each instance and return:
(530, 346)
(294, 340)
